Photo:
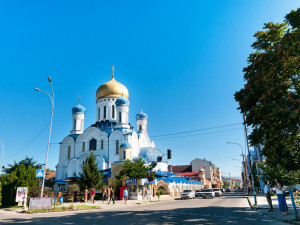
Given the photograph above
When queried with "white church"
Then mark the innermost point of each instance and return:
(112, 138)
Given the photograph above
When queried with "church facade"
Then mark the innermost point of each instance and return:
(112, 138)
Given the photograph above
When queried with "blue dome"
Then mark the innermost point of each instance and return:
(122, 101)
(151, 154)
(125, 145)
(78, 109)
(141, 115)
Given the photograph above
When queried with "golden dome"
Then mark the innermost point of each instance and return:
(112, 88)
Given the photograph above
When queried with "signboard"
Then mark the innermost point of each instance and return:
(40, 203)
(21, 194)
(40, 173)
(131, 181)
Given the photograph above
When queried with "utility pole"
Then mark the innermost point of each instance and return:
(250, 165)
(2, 157)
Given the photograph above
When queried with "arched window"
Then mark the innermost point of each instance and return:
(69, 152)
(93, 144)
(83, 146)
(113, 111)
(140, 127)
(98, 113)
(101, 144)
(124, 154)
(74, 124)
(104, 112)
(120, 117)
(117, 147)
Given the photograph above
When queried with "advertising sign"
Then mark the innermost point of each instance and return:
(131, 181)
(40, 203)
(21, 194)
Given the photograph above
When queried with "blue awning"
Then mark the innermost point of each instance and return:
(61, 182)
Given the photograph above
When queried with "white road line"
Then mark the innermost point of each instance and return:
(249, 219)
(267, 220)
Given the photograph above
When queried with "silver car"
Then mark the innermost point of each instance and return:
(187, 194)
(217, 191)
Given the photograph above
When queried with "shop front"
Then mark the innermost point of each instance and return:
(140, 189)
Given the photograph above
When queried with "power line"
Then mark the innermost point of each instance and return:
(202, 129)
(25, 146)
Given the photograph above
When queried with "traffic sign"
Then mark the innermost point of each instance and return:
(40, 173)
(148, 171)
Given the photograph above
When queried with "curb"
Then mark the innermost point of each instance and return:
(270, 217)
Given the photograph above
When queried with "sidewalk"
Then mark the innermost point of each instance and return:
(262, 208)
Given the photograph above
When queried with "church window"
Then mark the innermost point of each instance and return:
(83, 163)
(98, 113)
(140, 127)
(120, 117)
(101, 144)
(113, 111)
(104, 112)
(117, 147)
(69, 152)
(93, 144)
(83, 146)
(124, 154)
(74, 124)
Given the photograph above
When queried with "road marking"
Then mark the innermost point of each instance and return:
(267, 220)
(249, 219)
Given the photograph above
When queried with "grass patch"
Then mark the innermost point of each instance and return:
(155, 201)
(64, 208)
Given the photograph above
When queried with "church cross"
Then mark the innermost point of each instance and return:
(79, 99)
(113, 71)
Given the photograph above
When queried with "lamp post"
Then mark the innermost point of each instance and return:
(2, 157)
(52, 101)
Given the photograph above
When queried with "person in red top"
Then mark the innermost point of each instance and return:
(93, 195)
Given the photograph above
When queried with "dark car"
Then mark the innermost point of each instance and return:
(227, 190)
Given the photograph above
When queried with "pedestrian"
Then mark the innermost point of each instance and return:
(268, 195)
(112, 196)
(108, 193)
(125, 195)
(281, 198)
(93, 195)
(103, 194)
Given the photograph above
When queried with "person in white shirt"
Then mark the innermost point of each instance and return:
(268, 195)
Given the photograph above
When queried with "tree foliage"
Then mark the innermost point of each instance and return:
(26, 162)
(135, 169)
(281, 173)
(21, 177)
(270, 98)
(91, 176)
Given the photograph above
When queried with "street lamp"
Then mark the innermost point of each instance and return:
(252, 179)
(52, 101)
(2, 156)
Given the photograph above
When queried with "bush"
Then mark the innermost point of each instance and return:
(162, 192)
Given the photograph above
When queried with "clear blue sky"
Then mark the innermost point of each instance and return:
(182, 60)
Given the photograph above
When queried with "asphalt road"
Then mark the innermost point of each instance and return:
(231, 208)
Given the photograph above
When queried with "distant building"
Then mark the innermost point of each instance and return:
(201, 170)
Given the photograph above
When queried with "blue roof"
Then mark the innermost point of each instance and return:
(141, 115)
(74, 136)
(151, 154)
(125, 145)
(78, 109)
(122, 101)
(164, 173)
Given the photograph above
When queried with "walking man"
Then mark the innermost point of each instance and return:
(125, 195)
(112, 196)
(93, 195)
(268, 195)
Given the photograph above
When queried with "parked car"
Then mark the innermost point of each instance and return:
(208, 193)
(227, 189)
(187, 194)
(199, 193)
(296, 189)
(217, 191)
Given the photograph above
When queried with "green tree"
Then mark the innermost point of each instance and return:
(270, 98)
(91, 176)
(72, 189)
(136, 169)
(26, 162)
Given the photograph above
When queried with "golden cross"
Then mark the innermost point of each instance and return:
(113, 70)
(79, 99)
